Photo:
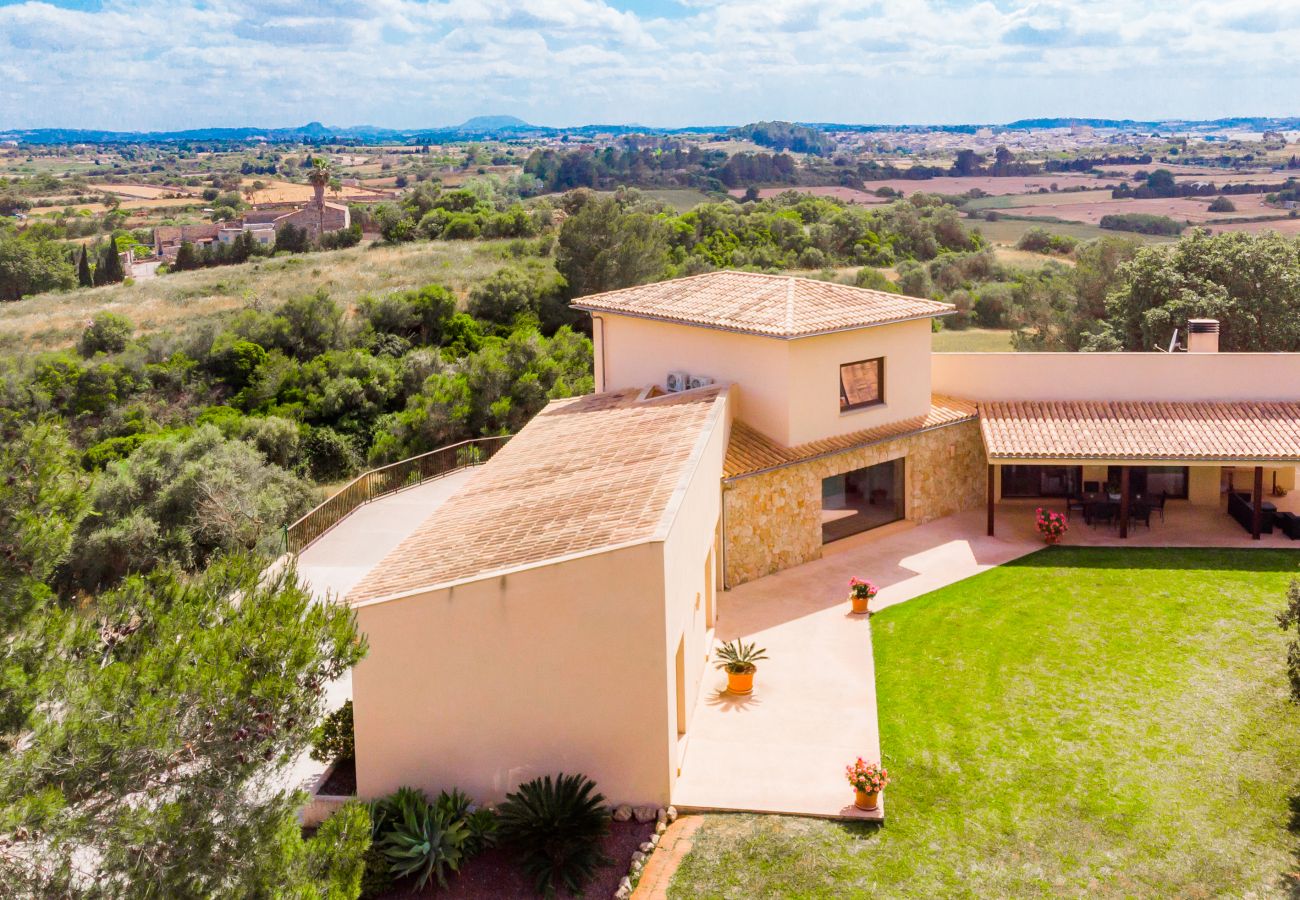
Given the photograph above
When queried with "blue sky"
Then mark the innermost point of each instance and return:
(166, 64)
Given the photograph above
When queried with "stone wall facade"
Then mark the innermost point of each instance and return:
(773, 519)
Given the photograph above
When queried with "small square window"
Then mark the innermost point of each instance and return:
(862, 384)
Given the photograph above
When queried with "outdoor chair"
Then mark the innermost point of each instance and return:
(1075, 503)
(1140, 512)
(1158, 505)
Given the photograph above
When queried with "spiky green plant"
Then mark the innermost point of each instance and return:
(738, 657)
(556, 825)
(424, 843)
(480, 823)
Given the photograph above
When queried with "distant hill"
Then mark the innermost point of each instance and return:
(492, 123)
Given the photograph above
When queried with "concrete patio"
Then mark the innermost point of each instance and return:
(784, 748)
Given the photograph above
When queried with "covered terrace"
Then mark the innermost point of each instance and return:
(1124, 460)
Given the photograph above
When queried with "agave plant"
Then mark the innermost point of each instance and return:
(557, 826)
(425, 842)
(480, 823)
(738, 657)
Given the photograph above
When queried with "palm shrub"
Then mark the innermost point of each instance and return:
(424, 842)
(557, 826)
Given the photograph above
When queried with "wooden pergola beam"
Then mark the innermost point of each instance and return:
(991, 498)
(1257, 505)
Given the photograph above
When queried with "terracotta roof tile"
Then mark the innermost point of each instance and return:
(773, 305)
(750, 452)
(1141, 430)
(586, 473)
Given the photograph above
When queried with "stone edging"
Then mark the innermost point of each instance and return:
(662, 818)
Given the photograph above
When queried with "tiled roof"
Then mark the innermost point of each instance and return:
(750, 452)
(1140, 430)
(586, 473)
(772, 305)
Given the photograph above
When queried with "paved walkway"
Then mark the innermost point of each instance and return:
(813, 710)
(343, 555)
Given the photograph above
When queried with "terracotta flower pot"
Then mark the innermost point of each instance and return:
(740, 682)
(860, 604)
(865, 800)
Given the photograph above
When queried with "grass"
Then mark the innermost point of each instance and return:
(972, 340)
(1082, 722)
(1007, 230)
(48, 321)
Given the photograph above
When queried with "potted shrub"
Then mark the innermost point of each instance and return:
(868, 780)
(738, 659)
(1051, 525)
(860, 594)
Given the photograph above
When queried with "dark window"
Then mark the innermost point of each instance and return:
(862, 384)
(862, 499)
(1168, 480)
(1041, 481)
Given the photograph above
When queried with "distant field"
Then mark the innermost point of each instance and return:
(972, 340)
(679, 199)
(48, 321)
(1008, 231)
(1180, 209)
(1008, 201)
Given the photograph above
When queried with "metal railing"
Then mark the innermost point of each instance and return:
(387, 480)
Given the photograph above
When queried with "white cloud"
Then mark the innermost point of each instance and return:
(186, 63)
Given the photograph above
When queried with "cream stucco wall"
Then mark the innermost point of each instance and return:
(1117, 376)
(690, 560)
(491, 683)
(636, 353)
(815, 379)
(788, 389)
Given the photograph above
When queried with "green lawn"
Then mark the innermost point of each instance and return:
(972, 340)
(1083, 722)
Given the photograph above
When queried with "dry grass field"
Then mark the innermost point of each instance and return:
(50, 321)
(1180, 209)
(848, 195)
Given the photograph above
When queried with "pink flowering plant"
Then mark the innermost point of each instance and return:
(868, 777)
(1051, 525)
(863, 590)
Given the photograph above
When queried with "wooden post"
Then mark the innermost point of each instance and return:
(1257, 505)
(1123, 501)
(992, 482)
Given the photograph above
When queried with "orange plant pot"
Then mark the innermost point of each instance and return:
(860, 604)
(864, 800)
(740, 682)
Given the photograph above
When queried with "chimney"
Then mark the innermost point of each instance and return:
(1202, 335)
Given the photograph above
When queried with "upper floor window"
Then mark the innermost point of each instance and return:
(862, 384)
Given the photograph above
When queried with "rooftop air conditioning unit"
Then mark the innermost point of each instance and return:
(699, 381)
(677, 381)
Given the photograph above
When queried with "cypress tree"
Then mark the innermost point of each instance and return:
(83, 270)
(110, 269)
(186, 258)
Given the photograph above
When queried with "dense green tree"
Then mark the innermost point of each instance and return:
(156, 759)
(186, 258)
(184, 499)
(33, 265)
(1249, 282)
(602, 248)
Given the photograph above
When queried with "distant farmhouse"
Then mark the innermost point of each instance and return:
(317, 217)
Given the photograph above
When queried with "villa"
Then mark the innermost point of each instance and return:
(558, 612)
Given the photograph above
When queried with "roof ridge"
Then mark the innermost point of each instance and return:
(789, 304)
